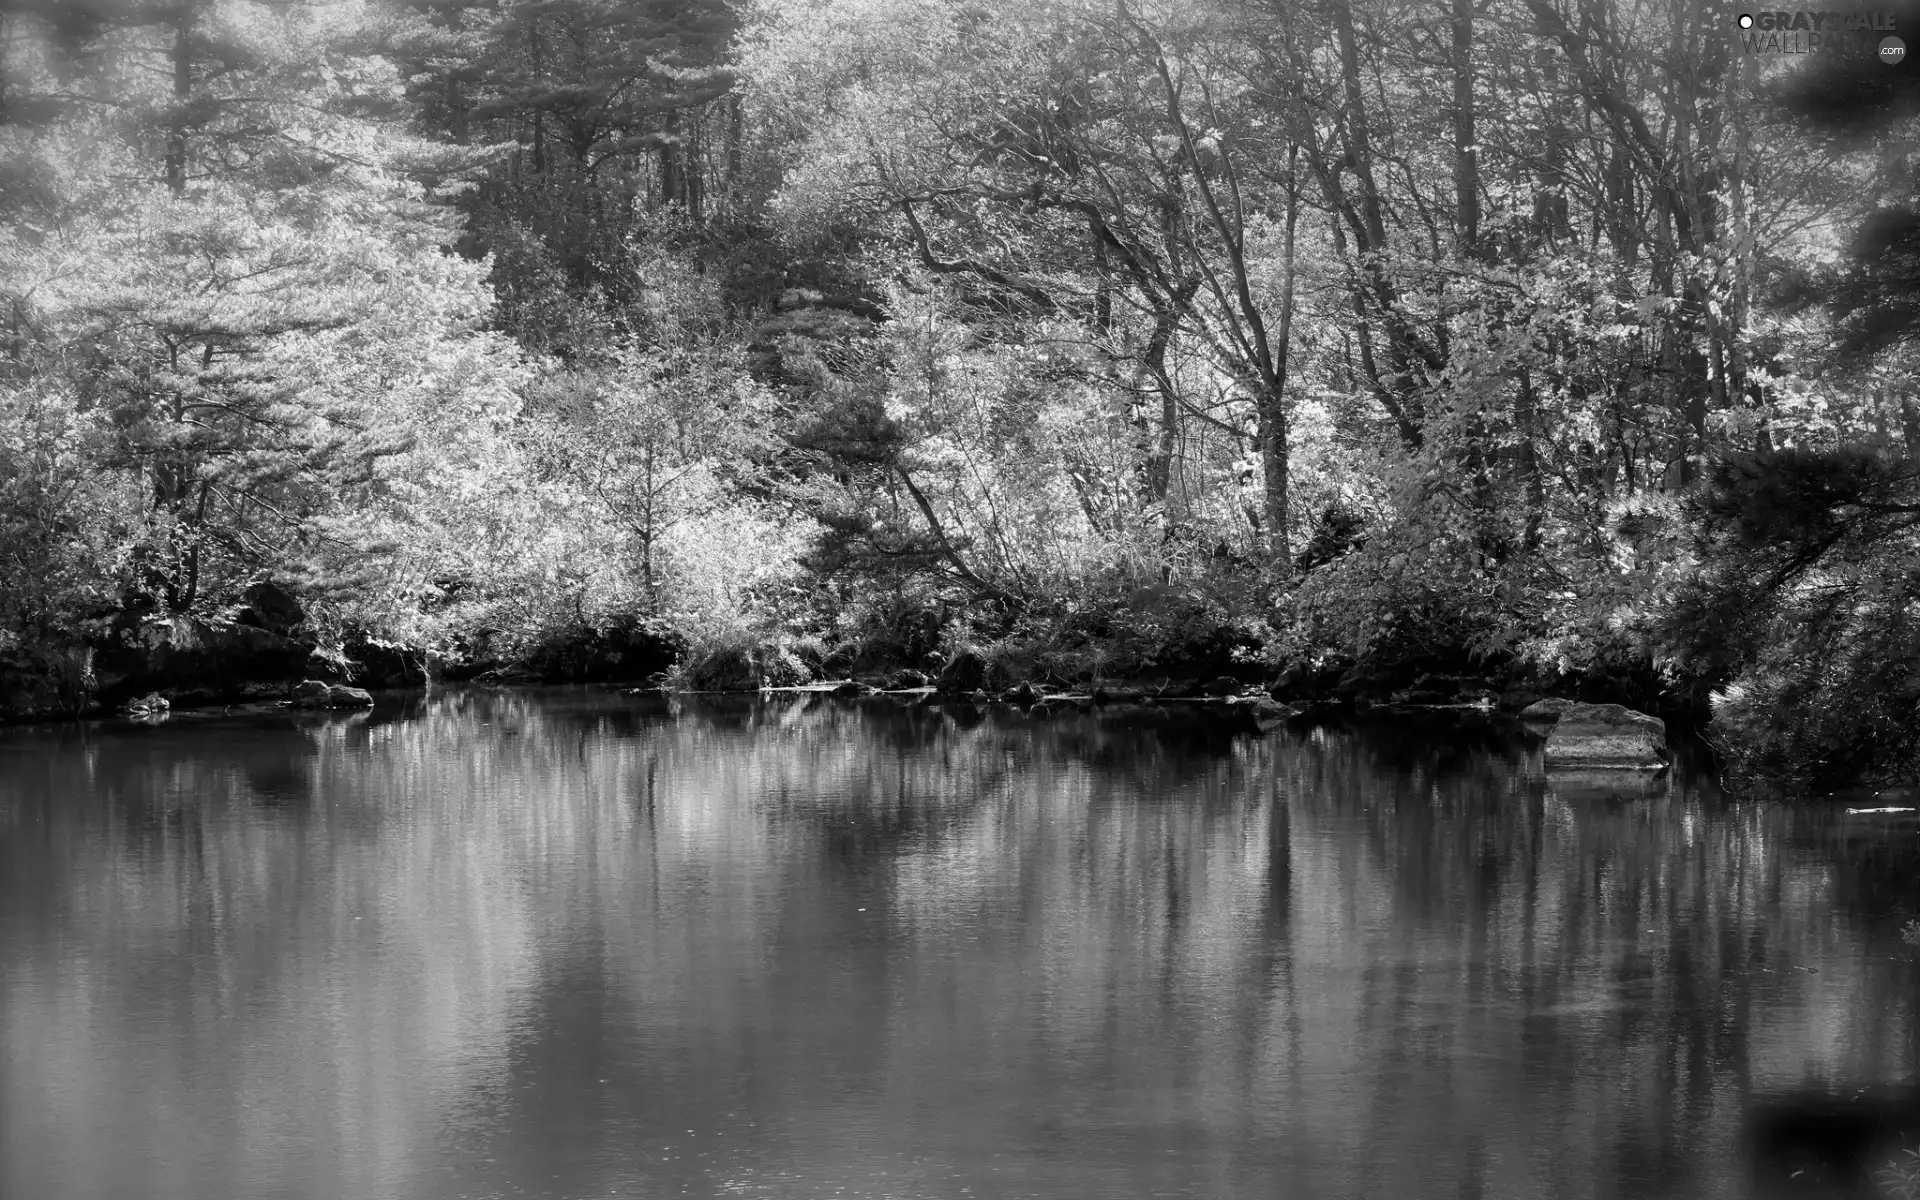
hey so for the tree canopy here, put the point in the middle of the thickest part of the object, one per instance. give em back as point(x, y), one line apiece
point(1527, 338)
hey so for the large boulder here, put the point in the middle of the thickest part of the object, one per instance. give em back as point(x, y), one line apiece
point(187, 654)
point(271, 607)
point(1546, 711)
point(1295, 682)
point(1606, 735)
point(966, 671)
point(341, 696)
point(1264, 709)
point(153, 704)
point(314, 693)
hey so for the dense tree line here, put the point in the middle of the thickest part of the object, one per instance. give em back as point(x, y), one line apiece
point(1350, 339)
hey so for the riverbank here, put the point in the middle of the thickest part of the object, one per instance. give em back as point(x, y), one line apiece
point(191, 662)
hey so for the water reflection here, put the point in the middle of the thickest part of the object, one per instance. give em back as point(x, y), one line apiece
point(574, 945)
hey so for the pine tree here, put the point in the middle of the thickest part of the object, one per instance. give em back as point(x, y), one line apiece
point(231, 251)
point(612, 107)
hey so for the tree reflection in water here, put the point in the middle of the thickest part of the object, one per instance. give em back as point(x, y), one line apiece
point(574, 944)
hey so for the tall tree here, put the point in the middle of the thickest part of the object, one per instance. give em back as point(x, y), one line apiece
point(232, 248)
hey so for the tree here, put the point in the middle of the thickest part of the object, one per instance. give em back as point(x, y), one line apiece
point(1114, 168)
point(658, 438)
point(1805, 612)
point(614, 108)
point(226, 270)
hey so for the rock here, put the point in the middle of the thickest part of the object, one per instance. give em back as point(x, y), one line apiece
point(1264, 706)
point(383, 664)
point(1361, 681)
point(907, 679)
point(312, 693)
point(1021, 693)
point(1258, 711)
point(1549, 709)
point(271, 607)
point(966, 671)
point(849, 687)
point(1606, 735)
point(1051, 701)
point(181, 654)
point(46, 680)
point(1295, 682)
point(1225, 685)
point(152, 704)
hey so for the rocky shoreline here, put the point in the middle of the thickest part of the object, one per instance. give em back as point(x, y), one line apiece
point(265, 653)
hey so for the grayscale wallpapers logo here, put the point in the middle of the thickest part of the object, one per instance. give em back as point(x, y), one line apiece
point(1868, 34)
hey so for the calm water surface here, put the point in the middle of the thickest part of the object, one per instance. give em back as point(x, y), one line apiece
point(580, 945)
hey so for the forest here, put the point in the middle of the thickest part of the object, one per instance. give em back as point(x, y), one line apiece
point(1356, 350)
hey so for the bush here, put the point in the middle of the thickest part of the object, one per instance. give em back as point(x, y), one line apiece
point(739, 663)
point(1807, 615)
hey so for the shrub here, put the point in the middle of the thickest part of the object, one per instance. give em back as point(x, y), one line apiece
point(1808, 614)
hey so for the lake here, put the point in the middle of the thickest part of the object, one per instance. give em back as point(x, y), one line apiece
point(577, 944)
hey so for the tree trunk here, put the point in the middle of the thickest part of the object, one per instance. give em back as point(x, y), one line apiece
point(1274, 463)
point(736, 133)
point(672, 163)
point(694, 169)
point(948, 550)
point(1272, 415)
point(456, 99)
point(1466, 168)
point(1156, 461)
point(1359, 135)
